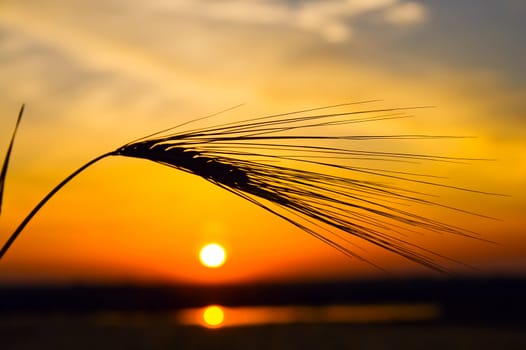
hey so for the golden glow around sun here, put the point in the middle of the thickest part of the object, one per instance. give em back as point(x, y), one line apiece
point(213, 316)
point(212, 255)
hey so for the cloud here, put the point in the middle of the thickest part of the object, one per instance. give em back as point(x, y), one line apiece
point(332, 20)
point(136, 46)
point(244, 11)
point(406, 13)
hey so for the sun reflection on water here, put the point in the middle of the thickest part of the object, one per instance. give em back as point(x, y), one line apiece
point(215, 316)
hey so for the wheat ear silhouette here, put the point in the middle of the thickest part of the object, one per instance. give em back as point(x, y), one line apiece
point(277, 163)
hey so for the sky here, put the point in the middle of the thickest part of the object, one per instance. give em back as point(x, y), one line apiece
point(97, 74)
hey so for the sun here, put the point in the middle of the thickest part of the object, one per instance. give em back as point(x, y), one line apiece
point(212, 255)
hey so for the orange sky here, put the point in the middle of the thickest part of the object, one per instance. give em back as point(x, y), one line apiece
point(97, 74)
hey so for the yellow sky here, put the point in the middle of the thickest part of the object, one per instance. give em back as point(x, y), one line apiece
point(97, 74)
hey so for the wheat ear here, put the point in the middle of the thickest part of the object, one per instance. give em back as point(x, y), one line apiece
point(250, 159)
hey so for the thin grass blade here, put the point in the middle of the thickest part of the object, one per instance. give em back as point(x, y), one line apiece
point(5, 165)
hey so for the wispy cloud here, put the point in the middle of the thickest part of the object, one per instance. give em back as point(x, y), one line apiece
point(331, 20)
point(114, 51)
point(407, 13)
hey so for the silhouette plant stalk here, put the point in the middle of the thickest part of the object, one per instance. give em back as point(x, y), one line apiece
point(44, 200)
point(323, 191)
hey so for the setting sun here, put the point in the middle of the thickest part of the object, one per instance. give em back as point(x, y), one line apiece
point(212, 255)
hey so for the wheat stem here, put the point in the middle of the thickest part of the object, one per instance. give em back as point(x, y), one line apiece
point(35, 210)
